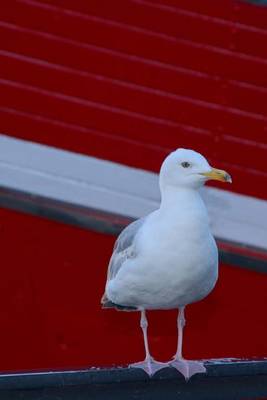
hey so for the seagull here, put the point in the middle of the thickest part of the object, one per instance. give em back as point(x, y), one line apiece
point(169, 258)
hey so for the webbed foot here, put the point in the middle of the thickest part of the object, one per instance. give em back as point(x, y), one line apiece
point(188, 368)
point(150, 366)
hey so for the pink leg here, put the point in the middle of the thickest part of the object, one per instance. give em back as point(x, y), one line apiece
point(186, 367)
point(149, 365)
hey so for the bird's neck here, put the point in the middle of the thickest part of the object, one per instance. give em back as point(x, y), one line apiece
point(172, 197)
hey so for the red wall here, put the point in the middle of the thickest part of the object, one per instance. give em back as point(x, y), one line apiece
point(52, 279)
point(129, 80)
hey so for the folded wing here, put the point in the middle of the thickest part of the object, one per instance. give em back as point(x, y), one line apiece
point(124, 249)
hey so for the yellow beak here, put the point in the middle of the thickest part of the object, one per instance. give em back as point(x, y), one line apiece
point(218, 175)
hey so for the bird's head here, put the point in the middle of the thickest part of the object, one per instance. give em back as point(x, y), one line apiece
point(187, 168)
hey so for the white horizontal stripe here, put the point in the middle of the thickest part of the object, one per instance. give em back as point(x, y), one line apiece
point(116, 188)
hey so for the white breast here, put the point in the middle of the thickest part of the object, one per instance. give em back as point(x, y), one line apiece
point(177, 261)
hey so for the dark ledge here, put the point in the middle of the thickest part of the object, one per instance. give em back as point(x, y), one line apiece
point(225, 379)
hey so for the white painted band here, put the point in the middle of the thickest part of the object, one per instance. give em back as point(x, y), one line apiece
point(116, 188)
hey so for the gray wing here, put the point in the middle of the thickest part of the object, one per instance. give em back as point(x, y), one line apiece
point(124, 247)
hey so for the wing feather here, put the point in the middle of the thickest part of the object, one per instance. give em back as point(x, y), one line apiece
point(124, 248)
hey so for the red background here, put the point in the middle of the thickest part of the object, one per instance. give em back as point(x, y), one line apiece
point(127, 81)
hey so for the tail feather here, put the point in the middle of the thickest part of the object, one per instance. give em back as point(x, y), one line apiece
point(106, 303)
point(104, 299)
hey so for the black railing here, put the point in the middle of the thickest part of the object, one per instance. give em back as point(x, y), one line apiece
point(225, 379)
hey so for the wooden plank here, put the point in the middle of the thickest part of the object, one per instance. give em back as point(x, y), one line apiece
point(146, 44)
point(120, 94)
point(141, 100)
point(94, 115)
point(172, 21)
point(27, 69)
point(88, 112)
point(233, 10)
point(38, 72)
point(110, 63)
point(244, 149)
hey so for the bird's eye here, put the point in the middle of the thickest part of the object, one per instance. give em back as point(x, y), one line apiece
point(185, 164)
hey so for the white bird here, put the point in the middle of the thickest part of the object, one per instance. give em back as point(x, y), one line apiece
point(169, 258)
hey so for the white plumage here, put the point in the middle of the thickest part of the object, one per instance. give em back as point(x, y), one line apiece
point(169, 258)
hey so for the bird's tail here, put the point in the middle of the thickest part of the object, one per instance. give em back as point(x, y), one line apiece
point(106, 303)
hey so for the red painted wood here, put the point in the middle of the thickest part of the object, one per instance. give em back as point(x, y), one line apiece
point(149, 76)
point(146, 74)
point(244, 149)
point(245, 97)
point(237, 11)
point(83, 83)
point(93, 115)
point(97, 87)
point(176, 22)
point(224, 9)
point(130, 41)
point(107, 64)
point(51, 317)
point(169, 107)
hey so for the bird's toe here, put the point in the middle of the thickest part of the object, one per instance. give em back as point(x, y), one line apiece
point(188, 368)
point(150, 366)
